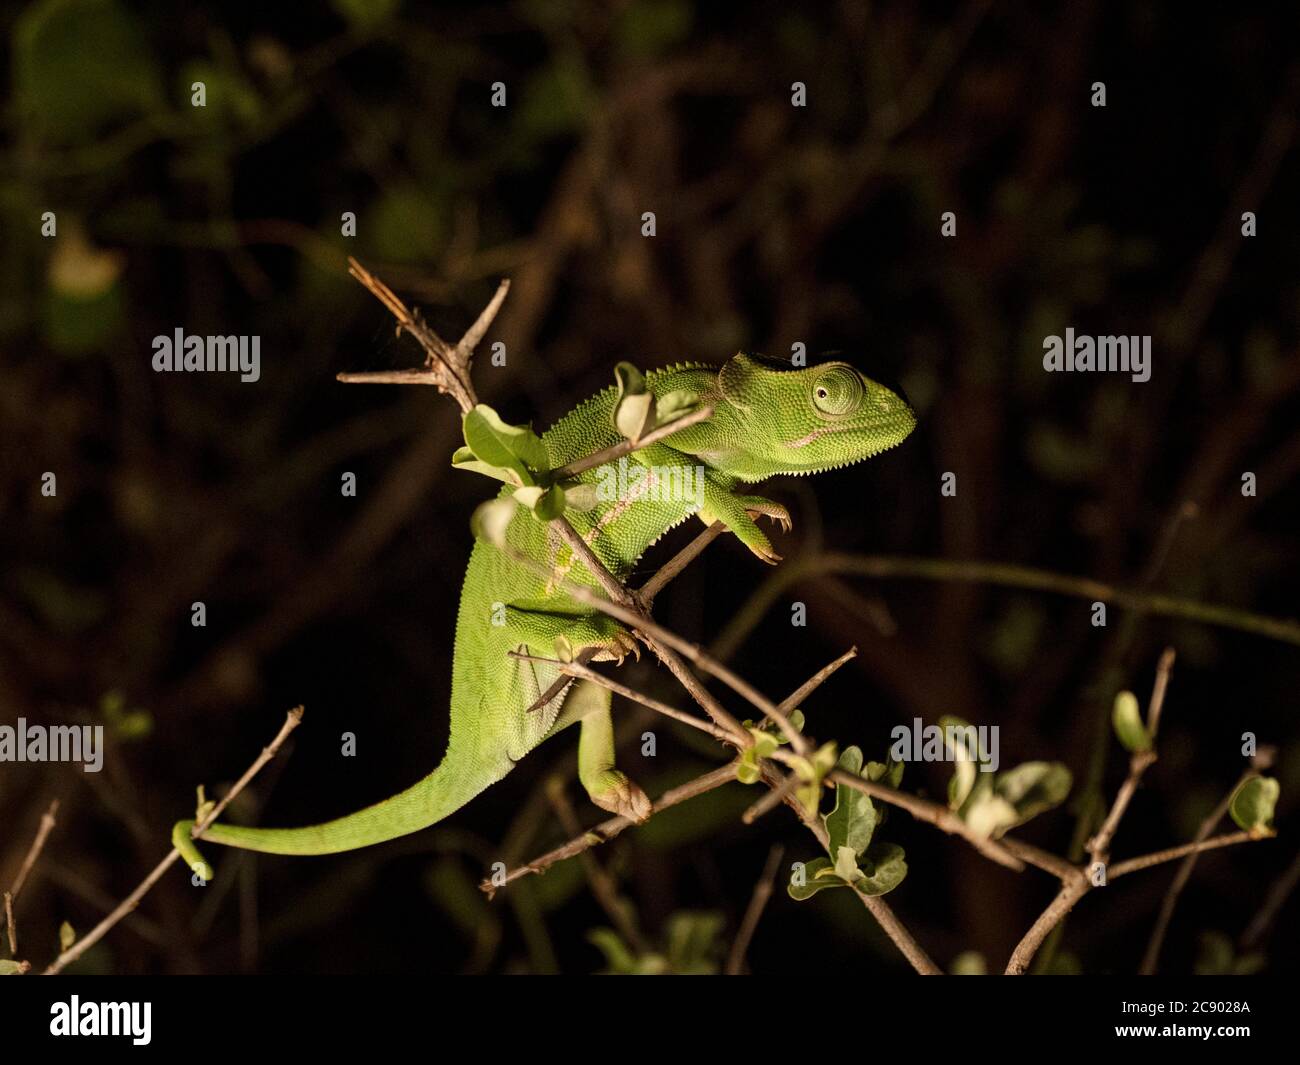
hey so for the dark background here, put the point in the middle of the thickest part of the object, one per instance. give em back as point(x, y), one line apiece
point(776, 225)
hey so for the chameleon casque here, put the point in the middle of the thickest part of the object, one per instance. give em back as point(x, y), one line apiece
point(767, 419)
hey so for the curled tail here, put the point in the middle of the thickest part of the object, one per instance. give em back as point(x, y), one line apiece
point(450, 786)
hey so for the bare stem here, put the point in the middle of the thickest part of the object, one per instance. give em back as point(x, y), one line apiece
point(1151, 956)
point(754, 911)
point(1146, 861)
point(33, 852)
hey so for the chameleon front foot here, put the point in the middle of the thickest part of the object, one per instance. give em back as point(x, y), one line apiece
point(757, 506)
point(738, 512)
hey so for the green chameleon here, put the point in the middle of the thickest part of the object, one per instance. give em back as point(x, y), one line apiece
point(766, 421)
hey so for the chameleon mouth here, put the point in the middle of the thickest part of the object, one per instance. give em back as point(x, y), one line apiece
point(816, 434)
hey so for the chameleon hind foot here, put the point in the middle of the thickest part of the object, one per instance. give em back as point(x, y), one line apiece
point(608, 788)
point(621, 796)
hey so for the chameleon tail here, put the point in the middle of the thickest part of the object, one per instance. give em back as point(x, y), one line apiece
point(450, 786)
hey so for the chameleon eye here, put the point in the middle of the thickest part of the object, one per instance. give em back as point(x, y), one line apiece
point(837, 391)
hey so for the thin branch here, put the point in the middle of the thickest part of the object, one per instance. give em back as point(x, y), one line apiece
point(1146, 861)
point(1274, 901)
point(657, 637)
point(754, 911)
point(1139, 763)
point(688, 554)
point(626, 447)
point(646, 594)
point(795, 698)
point(932, 813)
point(577, 669)
point(1040, 859)
point(899, 935)
point(33, 852)
point(1151, 956)
point(48, 820)
point(475, 333)
point(1012, 576)
point(9, 923)
point(1071, 892)
point(1078, 885)
point(291, 722)
point(771, 799)
point(607, 830)
point(622, 605)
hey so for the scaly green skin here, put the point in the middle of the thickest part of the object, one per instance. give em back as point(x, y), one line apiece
point(765, 421)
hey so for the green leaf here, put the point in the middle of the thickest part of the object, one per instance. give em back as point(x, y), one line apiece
point(961, 741)
point(11, 968)
point(747, 770)
point(889, 773)
point(673, 405)
point(67, 936)
point(546, 503)
point(634, 416)
point(628, 380)
point(1034, 787)
point(884, 867)
point(1126, 717)
point(846, 865)
point(634, 406)
point(491, 520)
point(819, 875)
point(989, 814)
point(463, 459)
point(853, 820)
point(1253, 804)
point(515, 449)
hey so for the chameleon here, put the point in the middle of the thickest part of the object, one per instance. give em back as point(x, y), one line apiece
point(767, 419)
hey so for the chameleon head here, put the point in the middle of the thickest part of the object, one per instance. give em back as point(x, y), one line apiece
point(769, 419)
